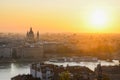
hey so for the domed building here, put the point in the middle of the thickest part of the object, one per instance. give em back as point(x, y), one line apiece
point(32, 47)
point(30, 37)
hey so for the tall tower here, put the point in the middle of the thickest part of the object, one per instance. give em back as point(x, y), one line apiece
point(30, 35)
point(38, 36)
point(27, 34)
point(99, 72)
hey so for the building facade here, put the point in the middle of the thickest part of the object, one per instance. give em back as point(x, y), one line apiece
point(5, 52)
point(54, 72)
point(30, 52)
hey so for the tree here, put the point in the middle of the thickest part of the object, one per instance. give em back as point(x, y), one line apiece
point(64, 76)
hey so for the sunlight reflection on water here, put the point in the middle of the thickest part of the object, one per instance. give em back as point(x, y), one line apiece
point(90, 65)
point(8, 70)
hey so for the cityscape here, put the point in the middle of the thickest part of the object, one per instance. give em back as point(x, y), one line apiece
point(59, 40)
point(56, 57)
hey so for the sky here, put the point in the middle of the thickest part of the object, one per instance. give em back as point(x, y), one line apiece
point(60, 16)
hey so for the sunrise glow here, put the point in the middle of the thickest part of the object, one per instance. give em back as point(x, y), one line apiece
point(59, 15)
point(99, 19)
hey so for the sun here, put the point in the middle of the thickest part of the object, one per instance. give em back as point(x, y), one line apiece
point(98, 19)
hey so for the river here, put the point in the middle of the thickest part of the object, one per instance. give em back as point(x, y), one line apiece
point(8, 70)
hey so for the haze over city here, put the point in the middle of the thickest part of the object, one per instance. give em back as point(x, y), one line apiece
point(59, 39)
point(79, 16)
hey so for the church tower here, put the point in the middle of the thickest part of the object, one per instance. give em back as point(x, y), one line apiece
point(38, 36)
point(98, 71)
point(30, 35)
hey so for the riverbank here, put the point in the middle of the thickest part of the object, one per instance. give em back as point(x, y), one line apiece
point(10, 60)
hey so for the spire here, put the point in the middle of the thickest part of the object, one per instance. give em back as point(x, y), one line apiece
point(37, 35)
point(99, 72)
point(27, 34)
point(30, 29)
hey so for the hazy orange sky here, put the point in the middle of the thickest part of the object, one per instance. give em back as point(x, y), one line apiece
point(57, 15)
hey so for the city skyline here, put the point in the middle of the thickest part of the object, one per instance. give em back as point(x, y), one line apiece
point(84, 16)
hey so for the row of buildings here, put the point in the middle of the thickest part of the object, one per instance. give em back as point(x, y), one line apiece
point(30, 47)
point(42, 71)
point(34, 44)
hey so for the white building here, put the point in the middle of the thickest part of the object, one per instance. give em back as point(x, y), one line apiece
point(42, 71)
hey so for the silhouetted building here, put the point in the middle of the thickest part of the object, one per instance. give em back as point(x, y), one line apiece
point(98, 71)
point(37, 36)
point(30, 35)
point(108, 72)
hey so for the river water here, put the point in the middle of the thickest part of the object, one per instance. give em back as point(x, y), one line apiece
point(90, 65)
point(8, 70)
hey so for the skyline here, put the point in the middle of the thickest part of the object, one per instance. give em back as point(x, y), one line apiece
point(60, 16)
